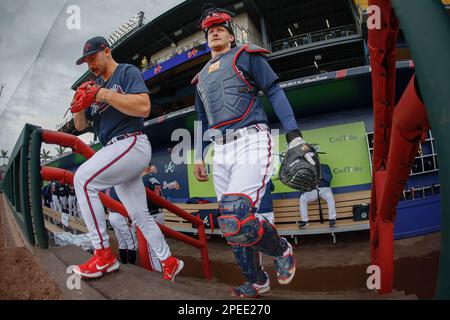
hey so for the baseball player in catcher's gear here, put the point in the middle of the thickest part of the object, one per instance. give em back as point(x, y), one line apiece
point(116, 102)
point(227, 100)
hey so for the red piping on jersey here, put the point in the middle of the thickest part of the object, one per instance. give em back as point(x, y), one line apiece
point(267, 167)
point(92, 178)
point(237, 70)
point(238, 119)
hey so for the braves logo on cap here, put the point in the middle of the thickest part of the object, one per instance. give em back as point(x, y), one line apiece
point(87, 47)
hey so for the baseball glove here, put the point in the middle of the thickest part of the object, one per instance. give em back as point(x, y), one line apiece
point(297, 170)
point(84, 96)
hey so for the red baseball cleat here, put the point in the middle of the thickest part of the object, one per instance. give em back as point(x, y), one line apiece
point(103, 261)
point(171, 267)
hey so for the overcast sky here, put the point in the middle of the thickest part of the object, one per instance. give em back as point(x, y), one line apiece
point(38, 54)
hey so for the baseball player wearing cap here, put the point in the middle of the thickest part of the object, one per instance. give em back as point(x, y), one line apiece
point(227, 100)
point(116, 103)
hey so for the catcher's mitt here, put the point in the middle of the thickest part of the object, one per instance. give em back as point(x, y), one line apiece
point(296, 171)
point(84, 96)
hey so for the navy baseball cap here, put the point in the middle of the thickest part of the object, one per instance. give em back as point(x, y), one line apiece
point(92, 46)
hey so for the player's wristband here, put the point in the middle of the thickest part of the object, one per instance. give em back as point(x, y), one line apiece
point(108, 96)
point(292, 135)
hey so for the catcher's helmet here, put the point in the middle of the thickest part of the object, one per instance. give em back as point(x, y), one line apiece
point(213, 16)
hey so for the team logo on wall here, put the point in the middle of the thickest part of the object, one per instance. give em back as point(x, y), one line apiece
point(192, 53)
point(174, 185)
point(169, 167)
point(157, 69)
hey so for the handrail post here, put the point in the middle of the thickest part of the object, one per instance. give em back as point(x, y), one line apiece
point(204, 252)
point(35, 190)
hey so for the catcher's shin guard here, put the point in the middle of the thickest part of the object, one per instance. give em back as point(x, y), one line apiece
point(250, 264)
point(237, 220)
point(271, 243)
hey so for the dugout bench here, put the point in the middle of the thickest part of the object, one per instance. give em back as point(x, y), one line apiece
point(287, 216)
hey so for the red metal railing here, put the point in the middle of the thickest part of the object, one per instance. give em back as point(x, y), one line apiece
point(64, 176)
point(397, 133)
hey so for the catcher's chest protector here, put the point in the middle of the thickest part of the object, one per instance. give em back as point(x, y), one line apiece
point(227, 97)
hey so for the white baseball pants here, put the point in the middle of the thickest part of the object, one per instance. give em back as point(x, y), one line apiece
point(126, 235)
point(154, 261)
point(269, 216)
point(72, 205)
point(56, 203)
point(120, 165)
point(244, 165)
point(64, 202)
point(326, 194)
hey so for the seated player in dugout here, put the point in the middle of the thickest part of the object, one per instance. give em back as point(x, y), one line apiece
point(324, 192)
point(227, 100)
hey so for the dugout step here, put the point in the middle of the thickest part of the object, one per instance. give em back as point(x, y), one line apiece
point(132, 282)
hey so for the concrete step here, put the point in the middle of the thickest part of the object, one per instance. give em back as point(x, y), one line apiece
point(132, 282)
point(129, 282)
